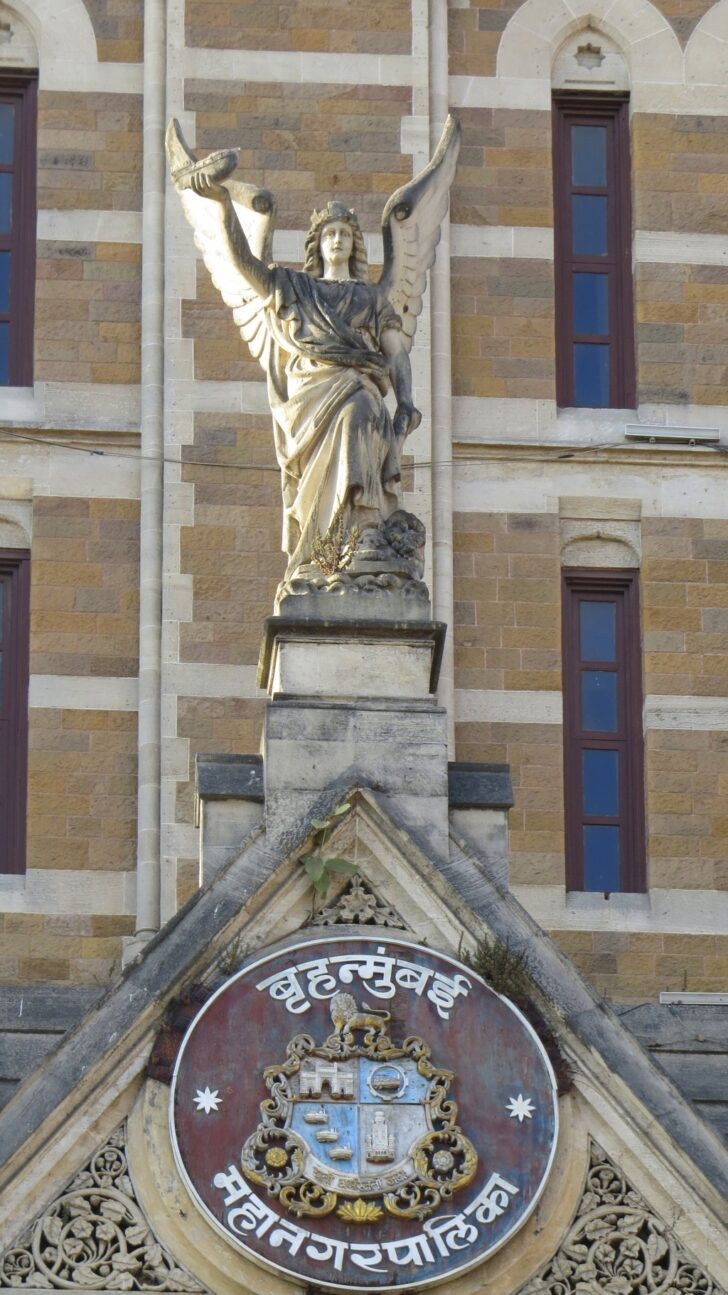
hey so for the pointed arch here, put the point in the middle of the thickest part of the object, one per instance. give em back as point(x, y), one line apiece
point(62, 30)
point(706, 53)
point(539, 27)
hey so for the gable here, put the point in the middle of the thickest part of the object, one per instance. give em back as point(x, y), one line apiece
point(67, 1109)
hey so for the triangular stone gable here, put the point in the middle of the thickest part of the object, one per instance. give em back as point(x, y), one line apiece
point(76, 1098)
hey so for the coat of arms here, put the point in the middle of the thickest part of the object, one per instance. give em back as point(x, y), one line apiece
point(359, 1124)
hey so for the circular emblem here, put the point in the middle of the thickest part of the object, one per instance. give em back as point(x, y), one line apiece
point(363, 1114)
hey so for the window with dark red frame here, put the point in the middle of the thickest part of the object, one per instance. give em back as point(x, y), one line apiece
point(17, 227)
point(14, 622)
point(603, 748)
point(595, 364)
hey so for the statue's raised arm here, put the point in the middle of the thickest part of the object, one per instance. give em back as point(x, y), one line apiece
point(333, 344)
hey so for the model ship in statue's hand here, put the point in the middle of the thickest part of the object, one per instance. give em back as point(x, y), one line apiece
point(332, 344)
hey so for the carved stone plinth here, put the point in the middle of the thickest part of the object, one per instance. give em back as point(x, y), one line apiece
point(352, 704)
point(372, 574)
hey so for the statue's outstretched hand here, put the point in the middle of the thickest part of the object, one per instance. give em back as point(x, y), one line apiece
point(207, 186)
point(406, 418)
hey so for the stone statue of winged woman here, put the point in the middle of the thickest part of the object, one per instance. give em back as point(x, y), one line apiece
point(332, 344)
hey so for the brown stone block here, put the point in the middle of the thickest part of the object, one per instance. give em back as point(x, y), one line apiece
point(528, 591)
point(546, 615)
point(672, 618)
point(530, 679)
point(709, 595)
point(43, 969)
point(531, 637)
point(474, 542)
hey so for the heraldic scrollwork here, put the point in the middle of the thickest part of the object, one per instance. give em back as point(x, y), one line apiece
point(362, 1118)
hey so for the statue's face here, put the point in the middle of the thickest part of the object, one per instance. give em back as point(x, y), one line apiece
point(337, 245)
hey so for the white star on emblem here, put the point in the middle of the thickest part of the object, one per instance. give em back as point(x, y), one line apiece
point(206, 1100)
point(520, 1108)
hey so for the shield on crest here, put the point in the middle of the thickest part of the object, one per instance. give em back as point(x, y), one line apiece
point(360, 1120)
point(359, 1117)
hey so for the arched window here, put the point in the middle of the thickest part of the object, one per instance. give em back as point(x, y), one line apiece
point(595, 364)
point(18, 112)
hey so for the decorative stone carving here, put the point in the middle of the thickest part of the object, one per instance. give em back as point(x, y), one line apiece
point(95, 1237)
point(332, 345)
point(357, 905)
point(387, 557)
point(619, 1245)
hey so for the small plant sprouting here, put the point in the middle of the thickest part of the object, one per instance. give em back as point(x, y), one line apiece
point(233, 956)
point(504, 969)
point(333, 551)
point(318, 868)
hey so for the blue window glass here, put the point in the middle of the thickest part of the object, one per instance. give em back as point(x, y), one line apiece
point(7, 131)
point(4, 281)
point(591, 374)
point(6, 202)
point(597, 631)
point(599, 701)
point(589, 156)
point(589, 225)
point(601, 857)
point(4, 354)
point(600, 782)
point(591, 303)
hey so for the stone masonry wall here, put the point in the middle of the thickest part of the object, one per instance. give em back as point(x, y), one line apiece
point(85, 587)
point(341, 26)
point(87, 314)
point(504, 168)
point(683, 15)
point(119, 28)
point(502, 327)
point(309, 143)
point(633, 967)
point(475, 29)
point(232, 552)
point(81, 818)
point(89, 151)
point(507, 636)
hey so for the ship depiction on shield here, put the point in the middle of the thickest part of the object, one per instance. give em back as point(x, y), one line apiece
point(359, 1125)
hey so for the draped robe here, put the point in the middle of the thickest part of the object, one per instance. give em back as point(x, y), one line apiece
point(327, 379)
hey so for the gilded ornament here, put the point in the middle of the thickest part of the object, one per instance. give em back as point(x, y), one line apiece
point(359, 1211)
point(360, 1118)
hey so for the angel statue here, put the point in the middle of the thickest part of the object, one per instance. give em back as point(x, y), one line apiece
point(333, 344)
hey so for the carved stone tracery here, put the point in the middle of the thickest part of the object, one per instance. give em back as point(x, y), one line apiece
point(357, 905)
point(619, 1245)
point(94, 1236)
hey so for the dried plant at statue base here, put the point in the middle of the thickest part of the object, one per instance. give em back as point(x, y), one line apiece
point(504, 969)
point(318, 868)
point(333, 551)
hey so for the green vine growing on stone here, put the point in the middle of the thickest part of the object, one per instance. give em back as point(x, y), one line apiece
point(319, 867)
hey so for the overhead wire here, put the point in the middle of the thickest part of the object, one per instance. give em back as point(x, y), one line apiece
point(118, 452)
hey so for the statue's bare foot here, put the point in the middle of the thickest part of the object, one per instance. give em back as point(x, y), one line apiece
point(204, 176)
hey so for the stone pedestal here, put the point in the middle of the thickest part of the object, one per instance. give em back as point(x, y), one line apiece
point(352, 704)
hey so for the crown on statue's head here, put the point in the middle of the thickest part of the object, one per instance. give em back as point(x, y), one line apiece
point(333, 211)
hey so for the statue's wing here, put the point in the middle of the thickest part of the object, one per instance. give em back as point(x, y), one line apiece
point(255, 209)
point(411, 224)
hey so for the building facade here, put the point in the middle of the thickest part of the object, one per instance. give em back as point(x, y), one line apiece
point(569, 468)
point(548, 781)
